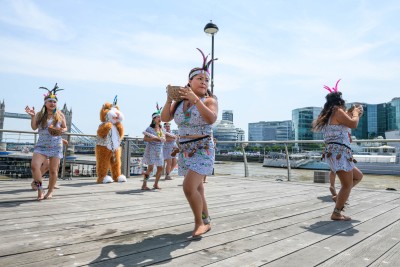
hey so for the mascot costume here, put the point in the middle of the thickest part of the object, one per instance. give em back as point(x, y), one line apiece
point(108, 150)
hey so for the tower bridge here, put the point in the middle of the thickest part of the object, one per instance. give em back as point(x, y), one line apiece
point(76, 140)
point(81, 143)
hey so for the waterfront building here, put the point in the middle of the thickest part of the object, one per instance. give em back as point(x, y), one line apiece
point(224, 130)
point(302, 119)
point(393, 114)
point(240, 134)
point(227, 115)
point(378, 119)
point(270, 130)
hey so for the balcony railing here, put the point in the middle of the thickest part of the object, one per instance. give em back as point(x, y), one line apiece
point(129, 146)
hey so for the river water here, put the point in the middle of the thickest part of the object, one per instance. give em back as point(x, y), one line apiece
point(256, 170)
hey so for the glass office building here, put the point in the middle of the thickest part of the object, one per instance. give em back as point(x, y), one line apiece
point(302, 119)
point(378, 119)
point(270, 130)
point(393, 114)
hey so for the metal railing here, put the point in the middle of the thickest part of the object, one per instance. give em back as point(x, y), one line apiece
point(244, 144)
point(129, 142)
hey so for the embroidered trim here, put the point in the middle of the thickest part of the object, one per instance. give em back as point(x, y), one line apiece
point(337, 143)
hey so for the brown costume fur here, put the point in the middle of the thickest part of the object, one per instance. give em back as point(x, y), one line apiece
point(104, 157)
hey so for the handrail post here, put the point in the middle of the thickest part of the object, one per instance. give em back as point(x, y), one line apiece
point(125, 155)
point(64, 160)
point(287, 162)
point(246, 167)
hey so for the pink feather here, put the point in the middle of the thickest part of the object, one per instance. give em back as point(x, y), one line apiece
point(204, 57)
point(335, 88)
point(327, 88)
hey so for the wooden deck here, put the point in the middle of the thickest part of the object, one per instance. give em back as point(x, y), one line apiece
point(255, 222)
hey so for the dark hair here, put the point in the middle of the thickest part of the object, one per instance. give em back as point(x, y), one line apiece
point(152, 124)
point(334, 101)
point(208, 94)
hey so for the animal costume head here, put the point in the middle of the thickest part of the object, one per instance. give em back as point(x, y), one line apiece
point(110, 112)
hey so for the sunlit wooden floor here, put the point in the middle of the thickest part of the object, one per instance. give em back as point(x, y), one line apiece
point(255, 222)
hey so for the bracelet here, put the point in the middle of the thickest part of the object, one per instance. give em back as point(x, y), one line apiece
point(195, 102)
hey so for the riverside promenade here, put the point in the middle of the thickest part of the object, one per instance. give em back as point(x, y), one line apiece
point(255, 222)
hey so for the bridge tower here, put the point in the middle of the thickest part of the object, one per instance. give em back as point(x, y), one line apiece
point(68, 117)
point(4, 114)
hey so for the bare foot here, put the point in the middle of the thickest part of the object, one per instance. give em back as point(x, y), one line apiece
point(40, 195)
point(201, 229)
point(48, 195)
point(339, 217)
point(145, 188)
point(156, 187)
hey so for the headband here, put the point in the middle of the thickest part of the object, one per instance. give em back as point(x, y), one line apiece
point(204, 69)
point(333, 89)
point(52, 94)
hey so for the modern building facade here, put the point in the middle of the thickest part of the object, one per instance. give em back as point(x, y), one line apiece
point(240, 134)
point(302, 119)
point(225, 131)
point(378, 119)
point(394, 114)
point(227, 115)
point(270, 130)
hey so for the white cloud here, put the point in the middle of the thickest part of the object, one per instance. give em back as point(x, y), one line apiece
point(26, 14)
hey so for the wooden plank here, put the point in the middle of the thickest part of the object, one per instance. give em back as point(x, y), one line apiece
point(376, 248)
point(131, 227)
point(348, 247)
point(267, 246)
point(147, 256)
point(390, 258)
point(152, 223)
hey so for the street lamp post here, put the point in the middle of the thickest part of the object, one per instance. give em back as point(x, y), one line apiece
point(211, 29)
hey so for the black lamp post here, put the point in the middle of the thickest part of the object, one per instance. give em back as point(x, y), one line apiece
point(211, 29)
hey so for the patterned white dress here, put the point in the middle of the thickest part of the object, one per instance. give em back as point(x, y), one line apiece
point(191, 123)
point(167, 149)
point(153, 154)
point(48, 145)
point(337, 152)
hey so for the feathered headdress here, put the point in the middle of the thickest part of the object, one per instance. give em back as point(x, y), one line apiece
point(333, 89)
point(205, 67)
point(52, 94)
point(158, 112)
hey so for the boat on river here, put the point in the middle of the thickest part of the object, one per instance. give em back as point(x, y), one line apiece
point(370, 160)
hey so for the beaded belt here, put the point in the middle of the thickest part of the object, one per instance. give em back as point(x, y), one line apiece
point(184, 145)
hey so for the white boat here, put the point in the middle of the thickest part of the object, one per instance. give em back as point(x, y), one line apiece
point(370, 160)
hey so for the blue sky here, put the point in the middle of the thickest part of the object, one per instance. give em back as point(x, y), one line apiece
point(274, 56)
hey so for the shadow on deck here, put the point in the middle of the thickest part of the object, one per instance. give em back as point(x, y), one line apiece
point(255, 222)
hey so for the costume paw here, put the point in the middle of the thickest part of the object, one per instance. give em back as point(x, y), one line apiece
point(121, 178)
point(107, 179)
